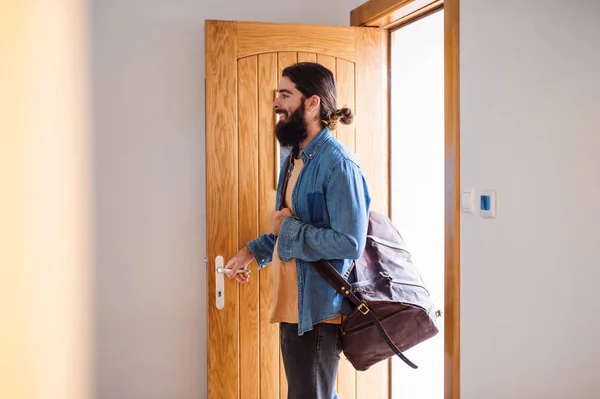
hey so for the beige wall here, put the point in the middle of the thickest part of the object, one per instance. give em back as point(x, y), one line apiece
point(45, 223)
point(530, 105)
point(148, 61)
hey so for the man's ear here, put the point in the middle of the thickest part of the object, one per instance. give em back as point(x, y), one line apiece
point(313, 103)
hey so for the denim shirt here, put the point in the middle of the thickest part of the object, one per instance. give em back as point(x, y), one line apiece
point(331, 211)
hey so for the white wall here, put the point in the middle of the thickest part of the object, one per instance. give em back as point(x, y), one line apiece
point(148, 76)
point(530, 102)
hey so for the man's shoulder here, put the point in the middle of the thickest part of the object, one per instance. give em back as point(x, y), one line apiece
point(336, 152)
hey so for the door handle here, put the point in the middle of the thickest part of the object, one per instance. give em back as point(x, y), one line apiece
point(220, 280)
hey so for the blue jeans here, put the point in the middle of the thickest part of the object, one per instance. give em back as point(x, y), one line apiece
point(311, 360)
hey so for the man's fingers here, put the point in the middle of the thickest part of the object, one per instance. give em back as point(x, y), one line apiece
point(242, 278)
point(229, 265)
point(233, 272)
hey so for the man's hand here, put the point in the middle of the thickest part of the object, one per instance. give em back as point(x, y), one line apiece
point(277, 218)
point(241, 260)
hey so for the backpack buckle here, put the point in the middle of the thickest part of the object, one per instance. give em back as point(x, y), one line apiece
point(364, 309)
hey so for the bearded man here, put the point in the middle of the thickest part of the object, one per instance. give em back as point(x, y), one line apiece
point(322, 213)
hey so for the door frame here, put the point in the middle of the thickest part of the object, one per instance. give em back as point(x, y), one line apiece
point(390, 15)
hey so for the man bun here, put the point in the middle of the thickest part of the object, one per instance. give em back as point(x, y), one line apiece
point(344, 115)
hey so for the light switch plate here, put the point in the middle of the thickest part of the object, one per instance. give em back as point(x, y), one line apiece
point(467, 201)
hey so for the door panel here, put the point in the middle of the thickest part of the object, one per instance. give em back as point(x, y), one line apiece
point(307, 57)
point(372, 148)
point(248, 223)
point(259, 38)
point(345, 83)
point(244, 64)
point(222, 221)
point(346, 381)
point(327, 61)
point(285, 59)
point(267, 183)
point(372, 124)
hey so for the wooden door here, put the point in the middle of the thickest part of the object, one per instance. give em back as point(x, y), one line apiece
point(243, 65)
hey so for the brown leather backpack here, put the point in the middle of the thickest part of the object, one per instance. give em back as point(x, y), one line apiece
point(393, 310)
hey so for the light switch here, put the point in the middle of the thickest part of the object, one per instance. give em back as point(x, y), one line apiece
point(487, 204)
point(467, 201)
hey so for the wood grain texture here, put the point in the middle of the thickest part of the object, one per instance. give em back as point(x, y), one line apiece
point(372, 124)
point(372, 10)
point(372, 148)
point(269, 333)
point(329, 63)
point(244, 62)
point(346, 379)
point(345, 84)
point(284, 59)
point(259, 38)
point(222, 205)
point(248, 223)
point(390, 14)
point(307, 57)
point(374, 383)
point(405, 15)
point(452, 200)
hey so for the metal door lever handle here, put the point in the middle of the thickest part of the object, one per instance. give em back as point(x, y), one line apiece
point(225, 270)
point(220, 283)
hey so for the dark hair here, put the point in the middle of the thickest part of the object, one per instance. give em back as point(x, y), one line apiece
point(313, 79)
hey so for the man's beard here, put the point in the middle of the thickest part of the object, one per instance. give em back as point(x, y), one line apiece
point(292, 131)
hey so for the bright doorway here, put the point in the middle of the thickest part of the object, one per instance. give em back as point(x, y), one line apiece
point(417, 182)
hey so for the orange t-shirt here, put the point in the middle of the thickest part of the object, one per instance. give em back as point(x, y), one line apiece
point(285, 282)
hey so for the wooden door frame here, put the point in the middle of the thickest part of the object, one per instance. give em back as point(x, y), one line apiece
point(389, 15)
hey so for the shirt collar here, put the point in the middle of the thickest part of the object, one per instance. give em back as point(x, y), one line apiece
point(315, 145)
